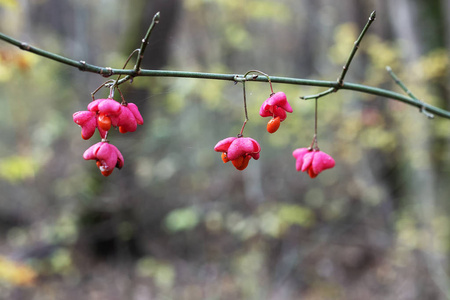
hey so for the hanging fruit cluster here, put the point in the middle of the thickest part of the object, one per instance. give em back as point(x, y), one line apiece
point(104, 114)
point(239, 150)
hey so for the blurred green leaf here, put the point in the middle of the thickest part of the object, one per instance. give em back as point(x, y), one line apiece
point(17, 168)
point(296, 214)
point(163, 273)
point(181, 219)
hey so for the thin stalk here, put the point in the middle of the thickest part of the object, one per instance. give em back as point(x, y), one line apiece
point(245, 110)
point(355, 47)
point(121, 96)
point(340, 80)
point(314, 144)
point(262, 73)
point(102, 85)
point(140, 51)
point(408, 92)
point(124, 66)
point(315, 120)
point(145, 42)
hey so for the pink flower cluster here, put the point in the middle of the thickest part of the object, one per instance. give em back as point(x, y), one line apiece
point(276, 107)
point(312, 161)
point(106, 155)
point(238, 150)
point(102, 114)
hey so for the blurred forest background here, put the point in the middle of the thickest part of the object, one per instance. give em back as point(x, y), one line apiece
point(177, 223)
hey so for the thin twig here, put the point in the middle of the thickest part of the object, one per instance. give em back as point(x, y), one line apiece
point(262, 73)
point(340, 80)
point(145, 42)
point(410, 94)
point(116, 82)
point(102, 85)
point(355, 48)
point(314, 145)
point(245, 110)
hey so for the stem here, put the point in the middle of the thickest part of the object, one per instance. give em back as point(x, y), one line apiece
point(145, 42)
point(407, 91)
point(116, 82)
point(314, 144)
point(322, 94)
point(121, 95)
point(111, 92)
point(245, 110)
point(102, 85)
point(262, 73)
point(141, 50)
point(83, 66)
point(315, 118)
point(355, 47)
point(340, 80)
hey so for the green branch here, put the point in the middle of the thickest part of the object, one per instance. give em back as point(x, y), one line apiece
point(410, 94)
point(335, 85)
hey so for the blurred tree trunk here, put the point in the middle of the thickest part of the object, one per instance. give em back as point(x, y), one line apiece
point(422, 182)
point(155, 57)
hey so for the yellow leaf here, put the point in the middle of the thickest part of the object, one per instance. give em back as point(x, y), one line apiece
point(9, 3)
point(16, 273)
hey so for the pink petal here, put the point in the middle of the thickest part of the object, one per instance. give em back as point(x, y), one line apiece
point(93, 106)
point(299, 155)
point(267, 107)
point(279, 99)
point(255, 155)
point(134, 109)
point(82, 117)
point(91, 152)
point(120, 160)
point(107, 156)
point(241, 147)
point(264, 111)
point(256, 146)
point(279, 112)
point(87, 121)
point(322, 161)
point(222, 146)
point(276, 105)
point(307, 160)
point(87, 131)
point(127, 120)
point(114, 120)
point(109, 107)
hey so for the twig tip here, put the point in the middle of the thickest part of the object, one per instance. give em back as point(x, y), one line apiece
point(156, 17)
point(373, 15)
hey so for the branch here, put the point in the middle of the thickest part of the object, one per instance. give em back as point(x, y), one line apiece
point(145, 42)
point(141, 50)
point(334, 85)
point(340, 80)
point(407, 91)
